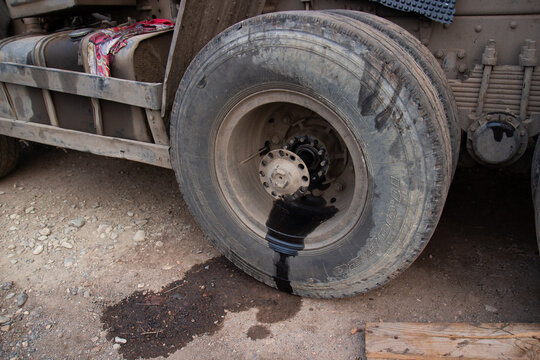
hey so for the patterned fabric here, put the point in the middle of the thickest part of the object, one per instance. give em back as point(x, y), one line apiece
point(103, 45)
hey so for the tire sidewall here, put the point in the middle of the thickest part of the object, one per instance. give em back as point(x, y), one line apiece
point(325, 64)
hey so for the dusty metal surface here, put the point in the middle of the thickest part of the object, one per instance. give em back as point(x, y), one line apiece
point(153, 154)
point(25, 8)
point(147, 95)
point(197, 23)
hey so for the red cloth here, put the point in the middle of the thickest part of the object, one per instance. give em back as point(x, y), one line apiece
point(103, 45)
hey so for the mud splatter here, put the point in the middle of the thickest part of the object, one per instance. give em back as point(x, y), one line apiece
point(257, 332)
point(158, 324)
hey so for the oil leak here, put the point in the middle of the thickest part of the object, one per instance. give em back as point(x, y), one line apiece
point(160, 323)
point(289, 223)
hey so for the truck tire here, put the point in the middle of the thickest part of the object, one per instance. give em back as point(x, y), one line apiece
point(281, 94)
point(427, 62)
point(9, 154)
point(535, 185)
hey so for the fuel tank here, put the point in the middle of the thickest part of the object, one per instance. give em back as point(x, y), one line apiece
point(66, 50)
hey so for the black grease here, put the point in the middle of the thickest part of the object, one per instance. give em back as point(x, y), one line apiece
point(382, 118)
point(288, 224)
point(500, 129)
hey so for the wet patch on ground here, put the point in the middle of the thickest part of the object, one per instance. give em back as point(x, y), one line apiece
point(257, 332)
point(158, 324)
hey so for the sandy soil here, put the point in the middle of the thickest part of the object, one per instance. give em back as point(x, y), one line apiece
point(69, 223)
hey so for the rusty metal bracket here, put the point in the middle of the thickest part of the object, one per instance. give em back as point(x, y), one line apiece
point(489, 60)
point(145, 95)
point(528, 58)
point(148, 153)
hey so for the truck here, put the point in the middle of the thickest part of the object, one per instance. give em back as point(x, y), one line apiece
point(314, 141)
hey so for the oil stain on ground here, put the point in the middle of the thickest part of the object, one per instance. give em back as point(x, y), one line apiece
point(158, 324)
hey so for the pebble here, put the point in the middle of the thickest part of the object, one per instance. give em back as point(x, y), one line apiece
point(68, 262)
point(24, 344)
point(140, 286)
point(9, 296)
point(21, 299)
point(130, 214)
point(86, 294)
point(78, 223)
point(139, 236)
point(11, 247)
point(14, 261)
point(159, 243)
point(2, 193)
point(94, 339)
point(116, 346)
point(29, 210)
point(5, 328)
point(45, 231)
point(4, 319)
point(120, 340)
point(42, 238)
point(141, 223)
point(38, 250)
point(7, 285)
point(67, 245)
point(48, 327)
point(13, 228)
point(490, 308)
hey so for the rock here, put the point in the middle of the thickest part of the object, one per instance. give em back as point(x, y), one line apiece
point(116, 346)
point(139, 236)
point(102, 228)
point(38, 250)
point(48, 327)
point(13, 228)
point(86, 294)
point(120, 340)
point(7, 285)
point(113, 236)
point(5, 328)
point(14, 261)
point(11, 247)
point(21, 299)
point(42, 238)
point(45, 231)
point(140, 286)
point(130, 214)
point(9, 296)
point(4, 319)
point(141, 223)
point(67, 245)
point(29, 210)
point(78, 223)
point(490, 308)
point(68, 262)
point(24, 344)
point(94, 339)
point(159, 243)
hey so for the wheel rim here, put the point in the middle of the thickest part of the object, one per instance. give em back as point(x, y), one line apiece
point(260, 125)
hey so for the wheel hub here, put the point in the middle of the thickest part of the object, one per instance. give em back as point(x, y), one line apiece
point(313, 153)
point(283, 173)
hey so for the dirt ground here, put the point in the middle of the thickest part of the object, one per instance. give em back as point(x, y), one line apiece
point(70, 222)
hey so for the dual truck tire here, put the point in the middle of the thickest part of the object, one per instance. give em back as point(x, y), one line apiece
point(367, 110)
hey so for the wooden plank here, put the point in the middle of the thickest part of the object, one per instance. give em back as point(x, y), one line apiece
point(100, 145)
point(145, 95)
point(419, 341)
